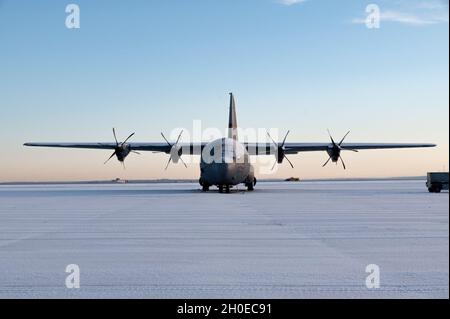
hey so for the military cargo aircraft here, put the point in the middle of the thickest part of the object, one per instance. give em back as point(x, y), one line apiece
point(225, 162)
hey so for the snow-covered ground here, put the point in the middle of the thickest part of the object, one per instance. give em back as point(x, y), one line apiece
point(285, 240)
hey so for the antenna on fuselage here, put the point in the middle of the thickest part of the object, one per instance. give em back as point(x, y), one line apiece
point(232, 122)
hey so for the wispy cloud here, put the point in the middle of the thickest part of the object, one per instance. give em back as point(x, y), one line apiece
point(290, 2)
point(414, 13)
point(400, 17)
point(406, 18)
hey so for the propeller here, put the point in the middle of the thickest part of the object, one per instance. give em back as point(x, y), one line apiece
point(335, 150)
point(175, 151)
point(280, 155)
point(122, 149)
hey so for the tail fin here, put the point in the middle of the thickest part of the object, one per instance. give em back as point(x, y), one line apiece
point(232, 122)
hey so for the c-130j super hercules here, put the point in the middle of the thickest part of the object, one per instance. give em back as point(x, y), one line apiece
point(225, 162)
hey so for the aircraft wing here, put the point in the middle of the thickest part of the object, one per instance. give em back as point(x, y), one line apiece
point(294, 148)
point(253, 148)
point(192, 148)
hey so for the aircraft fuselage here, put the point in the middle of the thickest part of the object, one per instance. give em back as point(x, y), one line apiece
point(226, 163)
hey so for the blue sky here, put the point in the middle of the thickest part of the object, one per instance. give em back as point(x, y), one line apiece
point(151, 66)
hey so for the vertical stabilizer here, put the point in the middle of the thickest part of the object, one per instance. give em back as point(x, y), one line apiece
point(232, 122)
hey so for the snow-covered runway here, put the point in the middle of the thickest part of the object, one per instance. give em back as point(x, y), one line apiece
point(285, 240)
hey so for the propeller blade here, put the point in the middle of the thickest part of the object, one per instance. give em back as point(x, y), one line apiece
point(166, 139)
point(123, 165)
point(285, 137)
point(179, 136)
point(343, 138)
point(110, 157)
point(287, 159)
point(183, 162)
point(128, 138)
point(342, 161)
point(115, 137)
point(331, 137)
point(273, 141)
point(171, 145)
point(273, 166)
point(349, 149)
point(168, 162)
point(326, 162)
point(136, 152)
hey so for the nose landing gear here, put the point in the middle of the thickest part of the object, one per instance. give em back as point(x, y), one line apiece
point(224, 188)
point(205, 186)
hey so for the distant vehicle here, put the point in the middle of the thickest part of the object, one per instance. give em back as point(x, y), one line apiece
point(292, 179)
point(120, 181)
point(436, 182)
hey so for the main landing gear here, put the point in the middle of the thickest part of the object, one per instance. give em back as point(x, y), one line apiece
point(251, 185)
point(205, 187)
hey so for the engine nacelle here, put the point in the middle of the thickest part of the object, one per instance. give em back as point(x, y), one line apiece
point(175, 152)
point(280, 155)
point(122, 152)
point(334, 154)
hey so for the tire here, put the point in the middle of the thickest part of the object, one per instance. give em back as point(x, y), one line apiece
point(250, 184)
point(435, 188)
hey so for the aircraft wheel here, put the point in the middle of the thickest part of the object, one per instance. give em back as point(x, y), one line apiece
point(227, 189)
point(220, 188)
point(250, 187)
point(205, 187)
